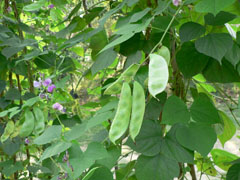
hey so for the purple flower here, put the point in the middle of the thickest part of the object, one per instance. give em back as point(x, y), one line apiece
point(57, 106)
point(36, 84)
point(51, 87)
point(27, 141)
point(51, 6)
point(47, 82)
point(176, 2)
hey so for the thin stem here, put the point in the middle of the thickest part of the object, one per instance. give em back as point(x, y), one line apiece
point(230, 109)
point(60, 122)
point(225, 94)
point(166, 30)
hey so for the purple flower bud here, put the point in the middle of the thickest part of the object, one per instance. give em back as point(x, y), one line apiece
point(41, 75)
point(36, 84)
point(59, 178)
point(9, 9)
point(64, 110)
point(51, 87)
point(42, 95)
point(57, 106)
point(47, 82)
point(65, 158)
point(27, 141)
point(69, 165)
point(176, 2)
point(65, 175)
point(51, 6)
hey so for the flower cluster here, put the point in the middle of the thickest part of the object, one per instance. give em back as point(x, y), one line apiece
point(47, 83)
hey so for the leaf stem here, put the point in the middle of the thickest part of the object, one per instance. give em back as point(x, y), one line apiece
point(166, 30)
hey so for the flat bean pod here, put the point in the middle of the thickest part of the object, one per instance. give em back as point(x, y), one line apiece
point(158, 74)
point(121, 120)
point(126, 76)
point(138, 109)
point(28, 124)
point(39, 120)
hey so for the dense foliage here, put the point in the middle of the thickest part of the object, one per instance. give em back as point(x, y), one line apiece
point(118, 89)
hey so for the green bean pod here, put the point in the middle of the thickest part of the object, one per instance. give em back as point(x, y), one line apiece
point(138, 109)
point(9, 129)
point(121, 120)
point(39, 120)
point(126, 76)
point(28, 124)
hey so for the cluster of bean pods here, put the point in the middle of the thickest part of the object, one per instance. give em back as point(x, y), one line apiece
point(131, 107)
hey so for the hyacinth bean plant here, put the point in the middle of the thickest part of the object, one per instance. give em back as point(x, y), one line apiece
point(119, 89)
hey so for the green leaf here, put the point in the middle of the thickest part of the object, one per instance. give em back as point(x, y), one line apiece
point(10, 51)
point(223, 158)
point(191, 30)
point(30, 102)
point(113, 154)
point(214, 6)
point(233, 55)
point(199, 137)
point(101, 173)
point(125, 170)
point(160, 23)
point(156, 167)
point(225, 73)
point(98, 41)
point(148, 141)
point(34, 6)
point(111, 12)
point(139, 15)
point(205, 165)
point(175, 111)
point(103, 60)
point(233, 172)
point(12, 168)
point(229, 129)
point(95, 151)
point(117, 41)
point(203, 111)
point(50, 134)
point(154, 107)
point(220, 19)
point(158, 74)
point(46, 60)
point(13, 94)
point(162, 6)
point(2, 85)
point(214, 45)
point(172, 149)
point(78, 130)
point(133, 58)
point(55, 149)
point(190, 62)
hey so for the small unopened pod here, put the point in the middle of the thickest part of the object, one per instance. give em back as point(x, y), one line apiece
point(121, 120)
point(28, 124)
point(138, 109)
